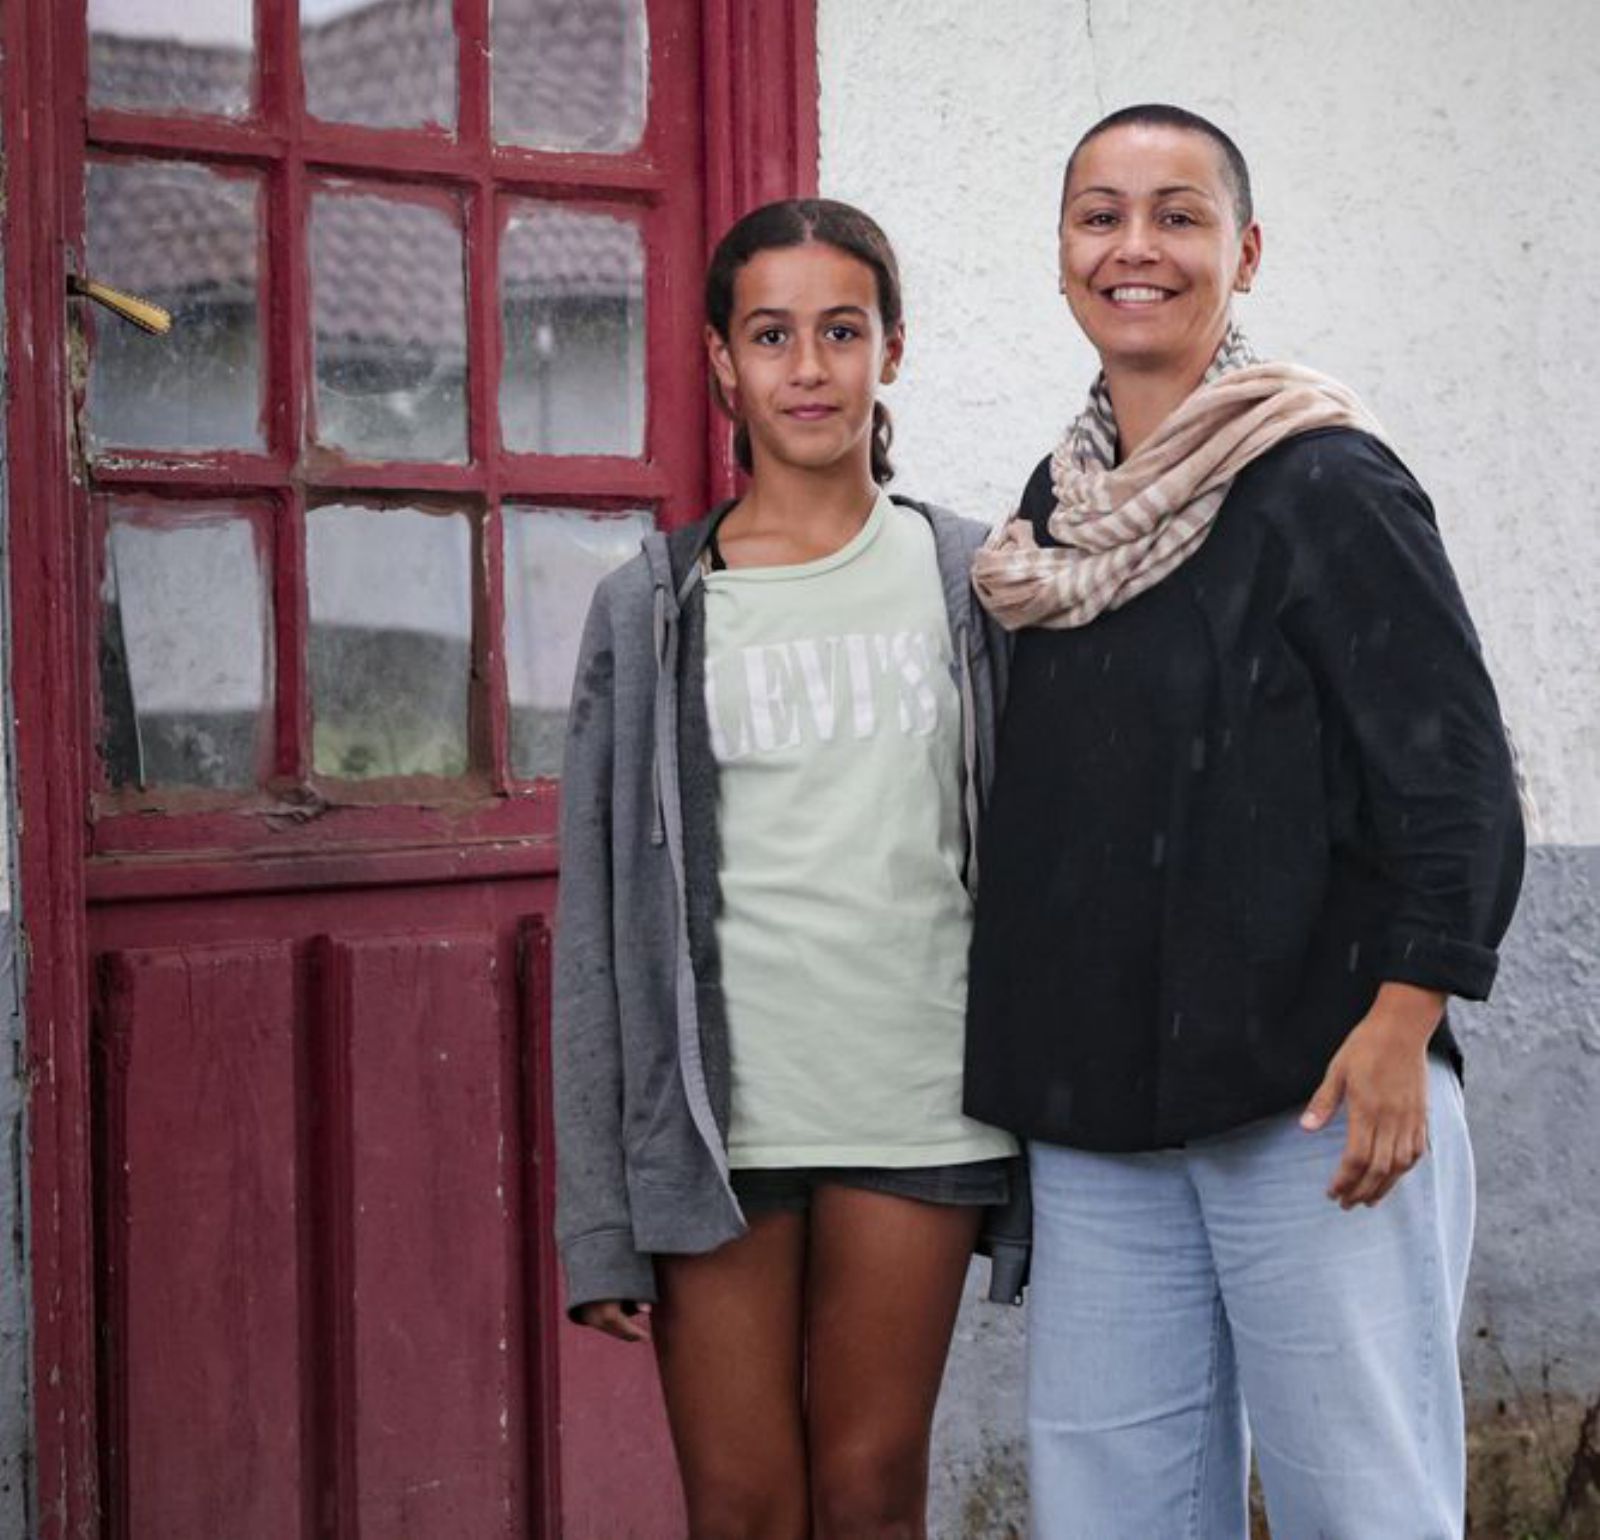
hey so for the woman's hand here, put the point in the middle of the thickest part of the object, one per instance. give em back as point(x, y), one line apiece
point(1380, 1073)
point(619, 1318)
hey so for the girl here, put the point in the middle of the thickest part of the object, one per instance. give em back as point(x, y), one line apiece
point(780, 730)
point(1254, 820)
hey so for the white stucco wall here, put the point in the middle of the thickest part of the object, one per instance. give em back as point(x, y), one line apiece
point(1428, 179)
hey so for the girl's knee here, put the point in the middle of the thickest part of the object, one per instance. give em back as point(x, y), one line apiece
point(868, 1492)
point(742, 1507)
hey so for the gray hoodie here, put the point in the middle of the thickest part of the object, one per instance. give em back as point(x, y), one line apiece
point(640, 1033)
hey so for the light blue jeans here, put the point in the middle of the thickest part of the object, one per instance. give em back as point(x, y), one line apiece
point(1173, 1290)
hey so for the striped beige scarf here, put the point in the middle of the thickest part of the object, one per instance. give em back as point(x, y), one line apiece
point(1122, 528)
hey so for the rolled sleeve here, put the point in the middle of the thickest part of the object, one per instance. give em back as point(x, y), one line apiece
point(1378, 617)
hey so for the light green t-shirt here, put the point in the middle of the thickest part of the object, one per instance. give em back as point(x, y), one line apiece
point(836, 724)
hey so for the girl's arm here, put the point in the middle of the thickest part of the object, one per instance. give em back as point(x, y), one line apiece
point(593, 1224)
point(620, 1318)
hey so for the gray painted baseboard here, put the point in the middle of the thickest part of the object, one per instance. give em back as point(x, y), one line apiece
point(1533, 1099)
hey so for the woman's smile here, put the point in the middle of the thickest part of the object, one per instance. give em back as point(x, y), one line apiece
point(1136, 296)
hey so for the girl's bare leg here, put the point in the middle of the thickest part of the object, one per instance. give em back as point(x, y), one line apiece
point(884, 1283)
point(728, 1330)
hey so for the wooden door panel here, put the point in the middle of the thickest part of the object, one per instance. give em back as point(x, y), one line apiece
point(201, 1231)
point(613, 1419)
point(322, 1170)
point(421, 1028)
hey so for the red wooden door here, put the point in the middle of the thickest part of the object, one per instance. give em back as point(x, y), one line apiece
point(293, 597)
point(301, 581)
point(426, 382)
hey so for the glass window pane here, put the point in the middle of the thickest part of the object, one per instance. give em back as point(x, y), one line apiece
point(389, 311)
point(155, 56)
point(185, 649)
point(380, 63)
point(572, 312)
point(554, 559)
point(189, 239)
point(569, 74)
point(391, 640)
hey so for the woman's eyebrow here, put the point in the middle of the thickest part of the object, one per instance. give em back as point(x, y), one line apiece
point(1161, 192)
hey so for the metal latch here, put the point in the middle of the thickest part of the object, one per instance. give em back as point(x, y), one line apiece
point(142, 312)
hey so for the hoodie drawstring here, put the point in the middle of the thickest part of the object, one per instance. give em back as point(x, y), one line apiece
point(664, 673)
point(969, 756)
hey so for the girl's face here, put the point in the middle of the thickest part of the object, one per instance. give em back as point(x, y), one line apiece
point(805, 353)
point(1151, 250)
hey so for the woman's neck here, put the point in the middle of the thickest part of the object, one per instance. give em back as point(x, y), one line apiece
point(790, 514)
point(1141, 401)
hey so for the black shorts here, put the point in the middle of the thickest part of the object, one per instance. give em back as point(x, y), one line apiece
point(766, 1189)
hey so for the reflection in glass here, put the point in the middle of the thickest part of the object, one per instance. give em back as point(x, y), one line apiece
point(569, 74)
point(554, 557)
point(380, 63)
point(572, 313)
point(391, 641)
point(389, 311)
point(185, 650)
point(155, 56)
point(187, 238)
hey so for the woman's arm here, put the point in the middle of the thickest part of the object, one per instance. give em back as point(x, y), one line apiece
point(1380, 1072)
point(1378, 618)
point(593, 1224)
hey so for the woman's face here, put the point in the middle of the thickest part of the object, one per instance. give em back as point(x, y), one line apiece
point(1151, 250)
point(805, 353)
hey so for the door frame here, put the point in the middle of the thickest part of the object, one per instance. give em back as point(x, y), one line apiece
point(759, 92)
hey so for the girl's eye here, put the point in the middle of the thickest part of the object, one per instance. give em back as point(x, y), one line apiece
point(842, 331)
point(769, 337)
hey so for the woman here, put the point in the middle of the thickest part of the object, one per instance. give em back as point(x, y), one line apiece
point(782, 719)
point(1254, 821)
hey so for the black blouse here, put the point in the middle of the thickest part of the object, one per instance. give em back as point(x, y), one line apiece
point(1226, 812)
